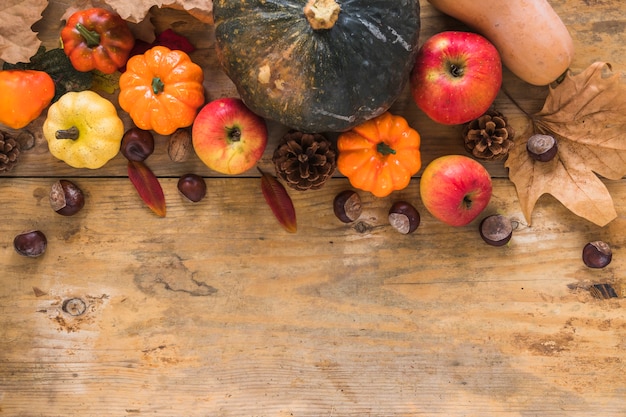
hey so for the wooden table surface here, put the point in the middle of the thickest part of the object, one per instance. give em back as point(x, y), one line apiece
point(215, 310)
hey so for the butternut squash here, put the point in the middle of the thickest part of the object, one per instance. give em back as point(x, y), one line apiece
point(533, 41)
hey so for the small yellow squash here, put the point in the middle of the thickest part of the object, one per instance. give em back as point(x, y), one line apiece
point(83, 129)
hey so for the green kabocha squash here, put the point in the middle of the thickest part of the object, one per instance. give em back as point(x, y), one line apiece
point(317, 65)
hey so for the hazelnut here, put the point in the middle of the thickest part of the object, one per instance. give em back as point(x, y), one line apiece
point(347, 206)
point(192, 186)
point(542, 148)
point(496, 230)
point(137, 144)
point(404, 217)
point(597, 254)
point(180, 145)
point(32, 243)
point(66, 198)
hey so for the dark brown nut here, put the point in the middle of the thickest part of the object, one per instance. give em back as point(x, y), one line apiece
point(404, 217)
point(26, 139)
point(137, 144)
point(347, 206)
point(542, 148)
point(496, 229)
point(597, 254)
point(180, 145)
point(32, 243)
point(192, 186)
point(66, 198)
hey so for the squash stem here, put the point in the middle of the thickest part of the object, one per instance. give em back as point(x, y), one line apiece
point(157, 85)
point(91, 36)
point(322, 14)
point(72, 133)
point(384, 149)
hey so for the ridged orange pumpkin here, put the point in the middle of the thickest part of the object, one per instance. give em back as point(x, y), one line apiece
point(321, 65)
point(380, 155)
point(162, 90)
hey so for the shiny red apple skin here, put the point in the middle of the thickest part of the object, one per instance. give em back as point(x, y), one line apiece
point(456, 77)
point(455, 189)
point(228, 137)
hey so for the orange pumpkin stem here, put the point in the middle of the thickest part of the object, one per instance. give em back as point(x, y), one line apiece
point(157, 86)
point(384, 149)
point(322, 14)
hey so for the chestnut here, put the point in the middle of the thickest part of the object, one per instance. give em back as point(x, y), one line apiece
point(137, 144)
point(404, 217)
point(597, 254)
point(542, 148)
point(32, 243)
point(66, 198)
point(192, 186)
point(496, 230)
point(347, 206)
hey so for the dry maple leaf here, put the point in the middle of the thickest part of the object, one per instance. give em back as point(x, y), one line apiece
point(136, 11)
point(17, 44)
point(586, 113)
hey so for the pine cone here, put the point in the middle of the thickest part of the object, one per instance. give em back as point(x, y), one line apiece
point(9, 151)
point(489, 137)
point(305, 160)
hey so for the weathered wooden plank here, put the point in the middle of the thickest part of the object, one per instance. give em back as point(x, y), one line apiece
point(215, 310)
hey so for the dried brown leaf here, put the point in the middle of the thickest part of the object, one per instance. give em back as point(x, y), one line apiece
point(16, 43)
point(136, 11)
point(586, 113)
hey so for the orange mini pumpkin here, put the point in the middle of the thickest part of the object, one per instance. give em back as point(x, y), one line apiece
point(380, 155)
point(162, 90)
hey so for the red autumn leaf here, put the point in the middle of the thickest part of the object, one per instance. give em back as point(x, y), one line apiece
point(173, 40)
point(279, 201)
point(167, 38)
point(148, 186)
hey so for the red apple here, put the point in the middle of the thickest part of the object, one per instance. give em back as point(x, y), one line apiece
point(228, 137)
point(456, 77)
point(455, 189)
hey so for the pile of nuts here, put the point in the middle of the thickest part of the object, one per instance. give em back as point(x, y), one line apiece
point(402, 216)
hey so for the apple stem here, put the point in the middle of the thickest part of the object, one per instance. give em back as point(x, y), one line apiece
point(234, 134)
point(456, 70)
point(467, 202)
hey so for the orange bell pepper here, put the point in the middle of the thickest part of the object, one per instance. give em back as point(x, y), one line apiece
point(162, 90)
point(97, 39)
point(380, 155)
point(25, 94)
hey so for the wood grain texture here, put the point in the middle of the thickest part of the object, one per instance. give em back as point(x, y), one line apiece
point(215, 310)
